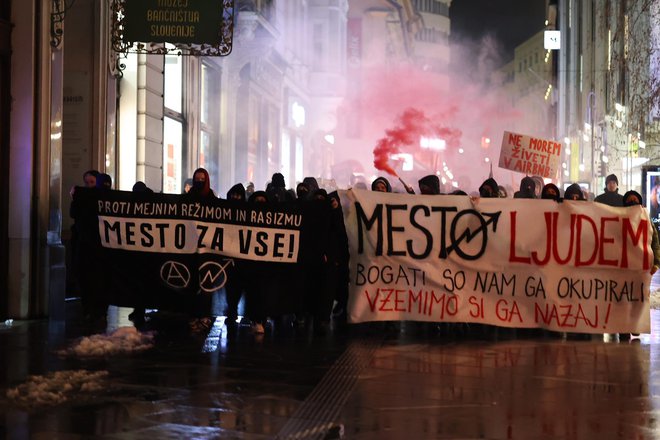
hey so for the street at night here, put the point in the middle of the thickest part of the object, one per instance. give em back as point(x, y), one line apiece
point(346, 219)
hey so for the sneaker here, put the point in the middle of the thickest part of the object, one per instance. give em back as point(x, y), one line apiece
point(258, 328)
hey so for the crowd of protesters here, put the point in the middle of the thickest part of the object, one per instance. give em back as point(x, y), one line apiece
point(312, 293)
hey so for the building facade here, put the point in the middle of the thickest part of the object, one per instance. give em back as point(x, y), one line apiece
point(70, 103)
point(608, 87)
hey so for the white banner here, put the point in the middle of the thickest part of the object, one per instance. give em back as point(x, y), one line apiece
point(573, 266)
point(169, 235)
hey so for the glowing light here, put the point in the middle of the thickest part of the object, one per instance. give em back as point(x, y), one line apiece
point(566, 173)
point(618, 123)
point(407, 160)
point(460, 150)
point(454, 184)
point(298, 114)
point(435, 144)
point(329, 138)
point(564, 166)
point(605, 159)
point(619, 107)
point(443, 180)
point(567, 140)
point(567, 151)
point(487, 160)
point(581, 167)
point(585, 136)
point(642, 144)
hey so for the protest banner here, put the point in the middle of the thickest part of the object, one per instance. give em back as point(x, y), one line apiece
point(530, 155)
point(162, 250)
point(571, 266)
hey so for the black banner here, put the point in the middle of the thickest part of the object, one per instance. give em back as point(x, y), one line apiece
point(165, 251)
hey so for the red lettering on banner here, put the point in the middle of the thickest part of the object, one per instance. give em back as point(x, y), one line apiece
point(372, 303)
point(477, 307)
point(564, 315)
point(555, 252)
point(548, 241)
point(604, 240)
point(512, 245)
point(578, 251)
point(642, 232)
point(406, 301)
point(506, 313)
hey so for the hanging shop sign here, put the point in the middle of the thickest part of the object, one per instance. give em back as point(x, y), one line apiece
point(190, 27)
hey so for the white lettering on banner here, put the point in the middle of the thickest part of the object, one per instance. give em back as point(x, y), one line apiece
point(572, 266)
point(190, 236)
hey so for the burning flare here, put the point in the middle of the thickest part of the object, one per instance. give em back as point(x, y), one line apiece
point(412, 126)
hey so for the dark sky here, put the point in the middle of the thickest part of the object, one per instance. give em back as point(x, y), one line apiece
point(510, 21)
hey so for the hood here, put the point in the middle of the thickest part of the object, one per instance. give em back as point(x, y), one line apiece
point(384, 180)
point(489, 188)
point(237, 189)
point(429, 184)
point(574, 188)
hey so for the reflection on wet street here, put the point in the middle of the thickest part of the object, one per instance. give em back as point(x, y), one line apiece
point(359, 383)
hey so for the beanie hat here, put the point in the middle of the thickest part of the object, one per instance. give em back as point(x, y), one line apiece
point(629, 196)
point(611, 178)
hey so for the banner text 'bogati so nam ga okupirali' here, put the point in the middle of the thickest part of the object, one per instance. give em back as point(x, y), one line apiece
point(573, 266)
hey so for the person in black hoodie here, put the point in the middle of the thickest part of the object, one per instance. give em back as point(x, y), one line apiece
point(338, 256)
point(311, 183)
point(201, 186)
point(381, 184)
point(429, 185)
point(236, 193)
point(137, 315)
point(277, 189)
point(489, 189)
point(632, 198)
point(104, 181)
point(527, 189)
point(202, 304)
point(258, 291)
point(236, 277)
point(574, 192)
point(550, 191)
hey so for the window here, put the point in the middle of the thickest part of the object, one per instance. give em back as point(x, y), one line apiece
point(207, 155)
point(173, 124)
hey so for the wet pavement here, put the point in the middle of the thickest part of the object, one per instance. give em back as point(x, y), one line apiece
point(365, 382)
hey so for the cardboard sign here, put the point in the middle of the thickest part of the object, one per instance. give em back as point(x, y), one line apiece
point(530, 155)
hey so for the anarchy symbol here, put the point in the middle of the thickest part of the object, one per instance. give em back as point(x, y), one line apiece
point(212, 275)
point(175, 274)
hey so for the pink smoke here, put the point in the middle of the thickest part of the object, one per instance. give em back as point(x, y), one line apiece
point(412, 125)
